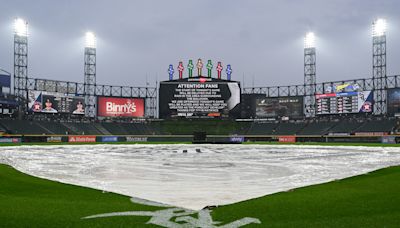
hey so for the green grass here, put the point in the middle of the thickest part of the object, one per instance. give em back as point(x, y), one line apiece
point(371, 200)
point(27, 201)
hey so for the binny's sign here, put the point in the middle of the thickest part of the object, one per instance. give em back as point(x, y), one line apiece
point(120, 107)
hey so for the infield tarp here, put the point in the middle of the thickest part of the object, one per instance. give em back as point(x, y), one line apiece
point(203, 175)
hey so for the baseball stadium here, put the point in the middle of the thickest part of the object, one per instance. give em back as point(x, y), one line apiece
point(199, 149)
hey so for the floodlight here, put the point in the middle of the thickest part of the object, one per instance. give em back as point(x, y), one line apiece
point(309, 40)
point(90, 40)
point(379, 27)
point(20, 27)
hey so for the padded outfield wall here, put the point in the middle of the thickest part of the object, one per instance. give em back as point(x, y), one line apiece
point(220, 139)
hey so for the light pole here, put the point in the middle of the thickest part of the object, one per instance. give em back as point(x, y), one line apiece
point(379, 65)
point(21, 62)
point(309, 74)
point(90, 75)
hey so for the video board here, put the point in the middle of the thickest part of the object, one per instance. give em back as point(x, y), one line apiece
point(199, 98)
point(120, 107)
point(53, 102)
point(279, 107)
point(344, 102)
point(393, 101)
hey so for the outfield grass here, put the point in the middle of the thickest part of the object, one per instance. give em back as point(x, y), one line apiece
point(27, 201)
point(371, 200)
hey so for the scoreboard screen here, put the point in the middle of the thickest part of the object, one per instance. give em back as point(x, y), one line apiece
point(344, 102)
point(53, 102)
point(279, 107)
point(199, 98)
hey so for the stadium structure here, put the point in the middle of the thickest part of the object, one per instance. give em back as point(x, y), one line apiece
point(50, 182)
point(199, 107)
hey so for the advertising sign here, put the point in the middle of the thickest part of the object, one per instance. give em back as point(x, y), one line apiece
point(236, 139)
point(54, 139)
point(10, 140)
point(82, 139)
point(136, 139)
point(279, 107)
point(388, 139)
point(199, 98)
point(287, 139)
point(344, 102)
point(109, 139)
point(346, 87)
point(120, 107)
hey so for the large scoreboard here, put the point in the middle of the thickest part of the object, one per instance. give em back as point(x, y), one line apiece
point(344, 102)
point(53, 102)
point(279, 107)
point(199, 97)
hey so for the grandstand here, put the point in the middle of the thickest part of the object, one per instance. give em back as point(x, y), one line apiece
point(312, 127)
point(317, 128)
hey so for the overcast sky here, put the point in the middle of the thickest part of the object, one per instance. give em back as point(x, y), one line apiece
point(261, 39)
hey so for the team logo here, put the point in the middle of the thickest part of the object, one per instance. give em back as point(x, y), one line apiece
point(366, 107)
point(173, 217)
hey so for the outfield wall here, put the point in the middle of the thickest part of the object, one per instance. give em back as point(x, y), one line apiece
point(72, 139)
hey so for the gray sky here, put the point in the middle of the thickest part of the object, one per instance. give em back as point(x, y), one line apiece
point(261, 39)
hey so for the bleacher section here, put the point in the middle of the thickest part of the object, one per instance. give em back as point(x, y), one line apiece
point(316, 128)
point(131, 128)
point(288, 128)
point(346, 126)
point(377, 126)
point(258, 128)
point(188, 127)
point(115, 128)
point(83, 128)
point(23, 127)
point(2, 129)
point(55, 128)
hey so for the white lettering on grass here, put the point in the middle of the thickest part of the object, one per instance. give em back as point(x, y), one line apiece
point(177, 217)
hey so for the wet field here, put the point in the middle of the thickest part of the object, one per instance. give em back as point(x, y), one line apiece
point(194, 176)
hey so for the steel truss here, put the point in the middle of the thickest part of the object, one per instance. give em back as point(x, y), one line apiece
point(78, 89)
point(90, 81)
point(310, 81)
point(379, 73)
point(21, 70)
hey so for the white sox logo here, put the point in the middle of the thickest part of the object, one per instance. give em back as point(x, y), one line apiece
point(171, 217)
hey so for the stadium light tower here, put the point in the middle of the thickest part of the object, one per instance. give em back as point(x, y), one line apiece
point(21, 61)
point(309, 74)
point(379, 27)
point(90, 75)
